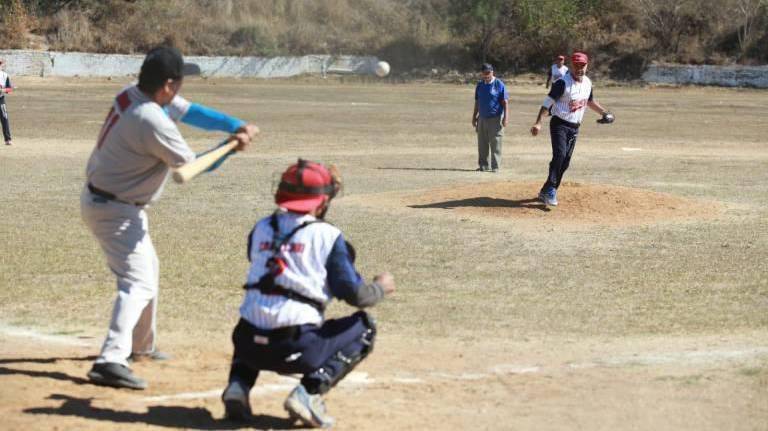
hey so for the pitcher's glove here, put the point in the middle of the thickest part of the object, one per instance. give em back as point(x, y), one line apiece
point(608, 118)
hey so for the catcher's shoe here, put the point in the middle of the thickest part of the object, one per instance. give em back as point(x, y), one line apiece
point(116, 375)
point(237, 406)
point(151, 356)
point(307, 408)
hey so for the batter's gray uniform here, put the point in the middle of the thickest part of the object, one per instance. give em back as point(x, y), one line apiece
point(126, 171)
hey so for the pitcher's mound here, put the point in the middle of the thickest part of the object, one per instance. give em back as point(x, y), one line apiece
point(584, 204)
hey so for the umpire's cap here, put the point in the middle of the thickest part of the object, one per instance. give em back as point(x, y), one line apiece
point(305, 186)
point(163, 63)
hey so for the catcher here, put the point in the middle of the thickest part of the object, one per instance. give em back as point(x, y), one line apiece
point(299, 263)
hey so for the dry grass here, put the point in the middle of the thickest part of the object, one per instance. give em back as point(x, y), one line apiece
point(471, 279)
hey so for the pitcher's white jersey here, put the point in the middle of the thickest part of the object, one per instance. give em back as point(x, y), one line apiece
point(568, 98)
point(305, 256)
point(138, 143)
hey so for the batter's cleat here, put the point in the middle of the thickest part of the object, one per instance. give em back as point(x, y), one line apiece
point(152, 356)
point(308, 409)
point(115, 375)
point(8, 143)
point(237, 406)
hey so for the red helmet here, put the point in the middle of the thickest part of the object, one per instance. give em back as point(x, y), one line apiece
point(305, 186)
point(579, 58)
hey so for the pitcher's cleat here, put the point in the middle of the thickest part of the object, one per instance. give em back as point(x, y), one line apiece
point(548, 196)
point(237, 406)
point(308, 409)
point(115, 375)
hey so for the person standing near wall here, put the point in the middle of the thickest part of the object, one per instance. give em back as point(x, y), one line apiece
point(5, 88)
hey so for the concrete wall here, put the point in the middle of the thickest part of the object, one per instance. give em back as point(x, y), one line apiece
point(46, 63)
point(725, 76)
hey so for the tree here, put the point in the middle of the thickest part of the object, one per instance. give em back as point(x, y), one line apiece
point(747, 13)
point(481, 21)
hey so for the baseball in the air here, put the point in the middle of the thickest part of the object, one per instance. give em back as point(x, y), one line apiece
point(382, 69)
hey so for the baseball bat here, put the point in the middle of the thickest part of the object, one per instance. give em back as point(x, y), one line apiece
point(195, 167)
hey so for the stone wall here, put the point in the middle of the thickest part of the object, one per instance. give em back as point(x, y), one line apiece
point(46, 63)
point(724, 76)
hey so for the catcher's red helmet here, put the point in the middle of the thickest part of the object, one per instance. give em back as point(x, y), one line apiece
point(305, 186)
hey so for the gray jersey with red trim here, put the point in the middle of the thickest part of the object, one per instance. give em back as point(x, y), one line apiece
point(138, 144)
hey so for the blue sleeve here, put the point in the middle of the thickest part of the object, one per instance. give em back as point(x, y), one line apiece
point(211, 119)
point(343, 279)
point(504, 95)
point(557, 90)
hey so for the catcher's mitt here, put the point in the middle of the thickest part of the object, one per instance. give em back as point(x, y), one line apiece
point(608, 118)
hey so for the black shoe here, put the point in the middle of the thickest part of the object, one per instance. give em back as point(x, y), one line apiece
point(482, 169)
point(116, 375)
point(237, 406)
point(153, 356)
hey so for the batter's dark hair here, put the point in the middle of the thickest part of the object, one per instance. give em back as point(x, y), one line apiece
point(161, 64)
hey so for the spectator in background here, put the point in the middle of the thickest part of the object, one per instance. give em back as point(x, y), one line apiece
point(5, 88)
point(557, 70)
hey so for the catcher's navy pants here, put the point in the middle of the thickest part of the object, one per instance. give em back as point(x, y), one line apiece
point(323, 354)
point(563, 136)
point(4, 120)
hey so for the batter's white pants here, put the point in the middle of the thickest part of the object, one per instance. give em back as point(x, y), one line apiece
point(123, 233)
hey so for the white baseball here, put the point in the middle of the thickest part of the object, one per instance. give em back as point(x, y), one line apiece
point(382, 69)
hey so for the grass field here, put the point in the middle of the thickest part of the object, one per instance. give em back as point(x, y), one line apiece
point(640, 303)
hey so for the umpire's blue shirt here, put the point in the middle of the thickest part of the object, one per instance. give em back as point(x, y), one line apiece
point(489, 97)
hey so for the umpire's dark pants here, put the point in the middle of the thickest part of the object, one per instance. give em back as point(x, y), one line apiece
point(4, 120)
point(323, 354)
point(563, 136)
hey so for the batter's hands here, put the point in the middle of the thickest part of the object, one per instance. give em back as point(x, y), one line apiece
point(386, 281)
point(244, 135)
point(504, 122)
point(535, 129)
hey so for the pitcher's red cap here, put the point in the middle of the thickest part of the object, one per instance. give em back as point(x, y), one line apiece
point(579, 58)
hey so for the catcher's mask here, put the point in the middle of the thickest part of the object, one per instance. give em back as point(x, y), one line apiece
point(306, 186)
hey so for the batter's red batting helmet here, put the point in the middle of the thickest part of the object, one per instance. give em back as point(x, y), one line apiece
point(305, 186)
point(579, 58)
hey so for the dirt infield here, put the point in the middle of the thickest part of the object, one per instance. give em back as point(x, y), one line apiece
point(580, 205)
point(638, 303)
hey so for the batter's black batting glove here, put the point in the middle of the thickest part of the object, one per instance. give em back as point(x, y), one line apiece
point(608, 118)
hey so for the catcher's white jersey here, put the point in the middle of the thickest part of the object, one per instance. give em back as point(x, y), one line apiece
point(570, 106)
point(305, 255)
point(138, 143)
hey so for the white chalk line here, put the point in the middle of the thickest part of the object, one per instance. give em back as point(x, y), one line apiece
point(361, 379)
point(66, 340)
point(631, 149)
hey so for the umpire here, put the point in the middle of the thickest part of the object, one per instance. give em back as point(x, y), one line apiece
point(489, 118)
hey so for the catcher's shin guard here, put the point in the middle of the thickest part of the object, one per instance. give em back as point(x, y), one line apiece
point(342, 362)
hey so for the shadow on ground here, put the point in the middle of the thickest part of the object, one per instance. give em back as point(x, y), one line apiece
point(486, 202)
point(195, 418)
point(56, 375)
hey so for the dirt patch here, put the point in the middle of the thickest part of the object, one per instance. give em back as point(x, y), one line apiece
point(579, 204)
